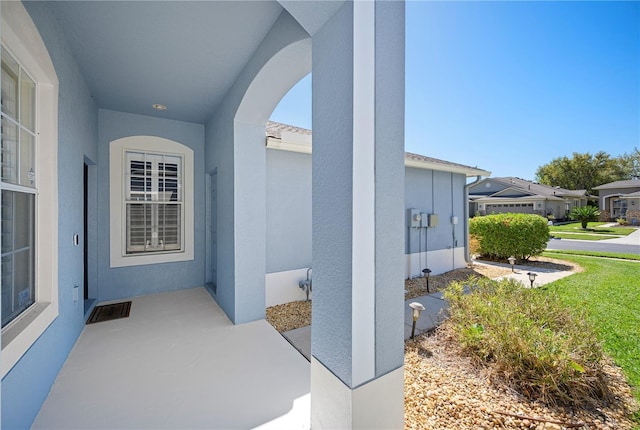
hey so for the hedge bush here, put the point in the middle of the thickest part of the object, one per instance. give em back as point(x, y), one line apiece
point(500, 236)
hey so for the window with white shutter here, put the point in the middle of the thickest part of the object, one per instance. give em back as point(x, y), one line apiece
point(151, 201)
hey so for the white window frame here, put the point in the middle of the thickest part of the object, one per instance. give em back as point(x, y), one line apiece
point(152, 180)
point(117, 197)
point(21, 37)
point(619, 207)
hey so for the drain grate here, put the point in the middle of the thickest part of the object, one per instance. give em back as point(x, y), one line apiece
point(110, 312)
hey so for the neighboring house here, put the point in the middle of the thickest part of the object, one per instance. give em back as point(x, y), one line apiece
point(509, 194)
point(619, 199)
point(434, 189)
point(108, 194)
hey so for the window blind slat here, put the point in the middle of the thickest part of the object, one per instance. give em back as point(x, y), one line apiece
point(156, 224)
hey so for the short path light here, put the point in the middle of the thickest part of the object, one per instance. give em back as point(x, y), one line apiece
point(426, 272)
point(512, 261)
point(416, 309)
point(532, 277)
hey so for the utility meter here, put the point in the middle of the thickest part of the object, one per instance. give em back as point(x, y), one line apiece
point(414, 218)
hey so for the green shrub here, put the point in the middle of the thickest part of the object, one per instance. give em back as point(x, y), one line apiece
point(503, 235)
point(585, 215)
point(622, 221)
point(529, 339)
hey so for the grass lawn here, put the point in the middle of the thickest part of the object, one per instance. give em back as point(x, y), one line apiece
point(560, 253)
point(593, 229)
point(609, 293)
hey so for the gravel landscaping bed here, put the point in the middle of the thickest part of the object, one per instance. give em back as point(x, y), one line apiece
point(294, 315)
point(289, 316)
point(417, 287)
point(446, 390)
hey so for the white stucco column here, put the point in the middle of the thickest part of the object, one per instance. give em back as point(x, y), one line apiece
point(358, 187)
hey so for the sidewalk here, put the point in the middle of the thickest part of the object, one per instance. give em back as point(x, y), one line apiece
point(631, 239)
point(435, 306)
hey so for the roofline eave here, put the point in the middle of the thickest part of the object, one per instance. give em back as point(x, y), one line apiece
point(306, 148)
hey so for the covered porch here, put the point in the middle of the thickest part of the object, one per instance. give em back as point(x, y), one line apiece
point(178, 362)
point(150, 183)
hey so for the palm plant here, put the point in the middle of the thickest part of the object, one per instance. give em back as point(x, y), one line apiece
point(585, 215)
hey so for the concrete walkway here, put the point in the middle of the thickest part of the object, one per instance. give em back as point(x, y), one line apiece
point(630, 239)
point(435, 306)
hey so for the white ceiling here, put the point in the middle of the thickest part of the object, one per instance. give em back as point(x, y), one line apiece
point(183, 54)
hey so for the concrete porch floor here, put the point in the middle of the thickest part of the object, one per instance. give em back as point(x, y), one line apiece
point(178, 362)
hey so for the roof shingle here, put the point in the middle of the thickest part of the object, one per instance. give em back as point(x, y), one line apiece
point(276, 129)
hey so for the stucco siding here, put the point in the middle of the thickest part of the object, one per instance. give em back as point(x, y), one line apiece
point(605, 195)
point(281, 60)
point(288, 210)
point(27, 384)
point(440, 248)
point(121, 282)
point(438, 193)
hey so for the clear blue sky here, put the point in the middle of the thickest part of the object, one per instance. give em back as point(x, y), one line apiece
point(508, 86)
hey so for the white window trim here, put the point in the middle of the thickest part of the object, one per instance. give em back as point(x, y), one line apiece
point(117, 207)
point(21, 36)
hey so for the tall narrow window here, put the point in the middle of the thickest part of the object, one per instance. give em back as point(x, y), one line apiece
point(17, 149)
point(28, 185)
point(153, 202)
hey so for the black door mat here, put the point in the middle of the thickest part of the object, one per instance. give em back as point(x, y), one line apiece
point(110, 312)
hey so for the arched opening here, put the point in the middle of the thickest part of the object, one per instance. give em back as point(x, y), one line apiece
point(288, 198)
point(271, 82)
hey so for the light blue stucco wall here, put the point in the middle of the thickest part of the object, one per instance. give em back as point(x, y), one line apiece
point(26, 386)
point(121, 282)
point(440, 193)
point(389, 165)
point(288, 210)
point(234, 150)
point(333, 192)
point(331, 338)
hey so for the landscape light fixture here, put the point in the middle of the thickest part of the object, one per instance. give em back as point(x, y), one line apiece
point(416, 309)
point(425, 272)
point(532, 277)
point(512, 261)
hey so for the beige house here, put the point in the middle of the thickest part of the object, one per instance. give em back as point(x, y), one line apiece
point(620, 199)
point(515, 195)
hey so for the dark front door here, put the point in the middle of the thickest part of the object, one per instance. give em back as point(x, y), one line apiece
point(85, 204)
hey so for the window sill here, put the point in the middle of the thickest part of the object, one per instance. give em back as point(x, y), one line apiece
point(151, 258)
point(21, 333)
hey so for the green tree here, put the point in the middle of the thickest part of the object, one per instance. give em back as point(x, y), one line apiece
point(581, 171)
point(585, 215)
point(630, 164)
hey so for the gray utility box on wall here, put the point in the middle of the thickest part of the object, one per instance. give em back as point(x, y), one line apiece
point(432, 220)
